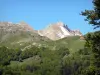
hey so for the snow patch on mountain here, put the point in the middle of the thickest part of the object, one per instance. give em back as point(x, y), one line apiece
point(58, 30)
point(65, 31)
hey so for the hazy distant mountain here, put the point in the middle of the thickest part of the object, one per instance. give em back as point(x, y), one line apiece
point(58, 31)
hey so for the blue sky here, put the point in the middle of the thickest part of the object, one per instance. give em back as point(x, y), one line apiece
point(40, 13)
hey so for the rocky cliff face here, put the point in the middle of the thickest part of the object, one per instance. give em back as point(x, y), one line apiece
point(58, 31)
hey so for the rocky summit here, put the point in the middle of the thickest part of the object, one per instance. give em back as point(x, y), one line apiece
point(58, 31)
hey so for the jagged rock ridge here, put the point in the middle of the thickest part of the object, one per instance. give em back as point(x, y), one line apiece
point(58, 31)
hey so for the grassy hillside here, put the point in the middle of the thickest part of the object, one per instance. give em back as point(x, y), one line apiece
point(25, 40)
point(22, 39)
point(73, 43)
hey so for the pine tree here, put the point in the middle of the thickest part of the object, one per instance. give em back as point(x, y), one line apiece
point(93, 16)
point(93, 39)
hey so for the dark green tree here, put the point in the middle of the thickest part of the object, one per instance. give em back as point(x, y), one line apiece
point(93, 16)
point(93, 39)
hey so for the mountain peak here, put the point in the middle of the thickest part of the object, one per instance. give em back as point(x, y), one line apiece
point(60, 23)
point(58, 30)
